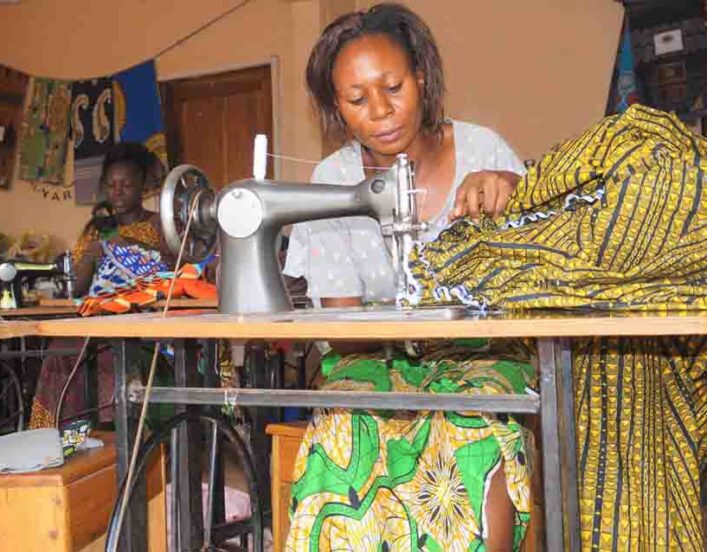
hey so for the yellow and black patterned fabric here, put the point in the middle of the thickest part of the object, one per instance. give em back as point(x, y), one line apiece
point(614, 219)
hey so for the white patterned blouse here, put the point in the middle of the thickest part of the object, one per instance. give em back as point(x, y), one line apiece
point(347, 257)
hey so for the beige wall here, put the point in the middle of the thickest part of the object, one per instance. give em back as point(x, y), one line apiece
point(537, 71)
point(533, 69)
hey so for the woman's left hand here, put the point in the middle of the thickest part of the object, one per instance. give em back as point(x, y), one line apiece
point(484, 192)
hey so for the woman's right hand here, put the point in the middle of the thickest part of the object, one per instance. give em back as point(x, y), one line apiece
point(485, 192)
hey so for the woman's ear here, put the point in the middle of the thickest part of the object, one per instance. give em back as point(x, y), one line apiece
point(420, 78)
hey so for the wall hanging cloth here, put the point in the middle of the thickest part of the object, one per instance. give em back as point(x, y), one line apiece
point(13, 88)
point(138, 115)
point(44, 132)
point(625, 89)
point(92, 132)
point(92, 117)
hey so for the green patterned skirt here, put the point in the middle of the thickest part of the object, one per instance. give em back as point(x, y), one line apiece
point(412, 480)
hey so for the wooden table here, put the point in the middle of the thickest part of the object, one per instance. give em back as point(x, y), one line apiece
point(39, 311)
point(182, 303)
point(552, 330)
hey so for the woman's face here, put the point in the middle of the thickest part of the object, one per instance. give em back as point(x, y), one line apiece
point(124, 186)
point(378, 95)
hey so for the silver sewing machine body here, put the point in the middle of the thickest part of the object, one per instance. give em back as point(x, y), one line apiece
point(247, 216)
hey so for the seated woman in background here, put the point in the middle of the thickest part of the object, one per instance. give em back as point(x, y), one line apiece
point(113, 249)
point(427, 480)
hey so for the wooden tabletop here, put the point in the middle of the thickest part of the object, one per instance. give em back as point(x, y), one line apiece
point(183, 303)
point(17, 328)
point(21, 322)
point(39, 311)
point(370, 324)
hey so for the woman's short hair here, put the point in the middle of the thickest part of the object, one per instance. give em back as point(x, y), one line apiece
point(132, 153)
point(403, 27)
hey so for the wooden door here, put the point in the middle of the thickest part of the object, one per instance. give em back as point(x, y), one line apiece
point(212, 121)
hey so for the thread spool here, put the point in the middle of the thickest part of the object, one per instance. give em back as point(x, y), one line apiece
point(260, 152)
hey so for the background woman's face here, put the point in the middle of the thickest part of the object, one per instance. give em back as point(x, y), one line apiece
point(377, 93)
point(124, 185)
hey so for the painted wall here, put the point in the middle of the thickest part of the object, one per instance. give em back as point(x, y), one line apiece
point(533, 69)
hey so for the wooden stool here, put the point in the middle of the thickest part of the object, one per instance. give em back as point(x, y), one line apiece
point(286, 439)
point(67, 508)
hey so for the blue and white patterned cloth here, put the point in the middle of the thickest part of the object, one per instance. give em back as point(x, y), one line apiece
point(121, 264)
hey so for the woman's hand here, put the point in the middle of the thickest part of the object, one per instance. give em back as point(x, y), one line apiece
point(484, 192)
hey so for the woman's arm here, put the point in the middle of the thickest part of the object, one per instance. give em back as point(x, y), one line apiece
point(86, 254)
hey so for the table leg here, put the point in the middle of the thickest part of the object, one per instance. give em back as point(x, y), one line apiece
point(133, 537)
point(90, 367)
point(174, 482)
point(191, 522)
point(261, 375)
point(559, 465)
point(568, 435)
point(216, 464)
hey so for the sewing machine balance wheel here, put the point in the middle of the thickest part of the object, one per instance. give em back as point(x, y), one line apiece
point(184, 186)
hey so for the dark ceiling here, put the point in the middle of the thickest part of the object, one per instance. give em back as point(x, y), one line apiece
point(646, 13)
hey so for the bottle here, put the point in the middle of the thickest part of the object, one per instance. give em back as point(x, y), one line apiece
point(7, 301)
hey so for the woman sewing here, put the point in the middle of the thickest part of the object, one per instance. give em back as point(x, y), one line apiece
point(122, 241)
point(613, 218)
point(401, 482)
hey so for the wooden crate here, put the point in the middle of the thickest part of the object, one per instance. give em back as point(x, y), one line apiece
point(68, 508)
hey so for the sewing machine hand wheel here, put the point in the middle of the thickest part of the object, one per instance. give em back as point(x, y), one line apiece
point(184, 186)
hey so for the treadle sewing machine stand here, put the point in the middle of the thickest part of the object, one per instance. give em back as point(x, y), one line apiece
point(246, 217)
point(556, 409)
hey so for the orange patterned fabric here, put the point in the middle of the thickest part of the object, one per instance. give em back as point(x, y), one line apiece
point(147, 291)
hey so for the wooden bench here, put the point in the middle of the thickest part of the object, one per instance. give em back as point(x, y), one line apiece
point(68, 508)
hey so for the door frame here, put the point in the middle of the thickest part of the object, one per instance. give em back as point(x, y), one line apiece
point(276, 94)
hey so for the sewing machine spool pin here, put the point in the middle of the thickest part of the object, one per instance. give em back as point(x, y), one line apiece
point(247, 216)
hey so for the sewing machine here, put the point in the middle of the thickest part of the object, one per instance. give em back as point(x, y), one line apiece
point(246, 217)
point(16, 275)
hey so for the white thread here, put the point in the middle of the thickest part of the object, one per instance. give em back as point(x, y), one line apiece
point(313, 162)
